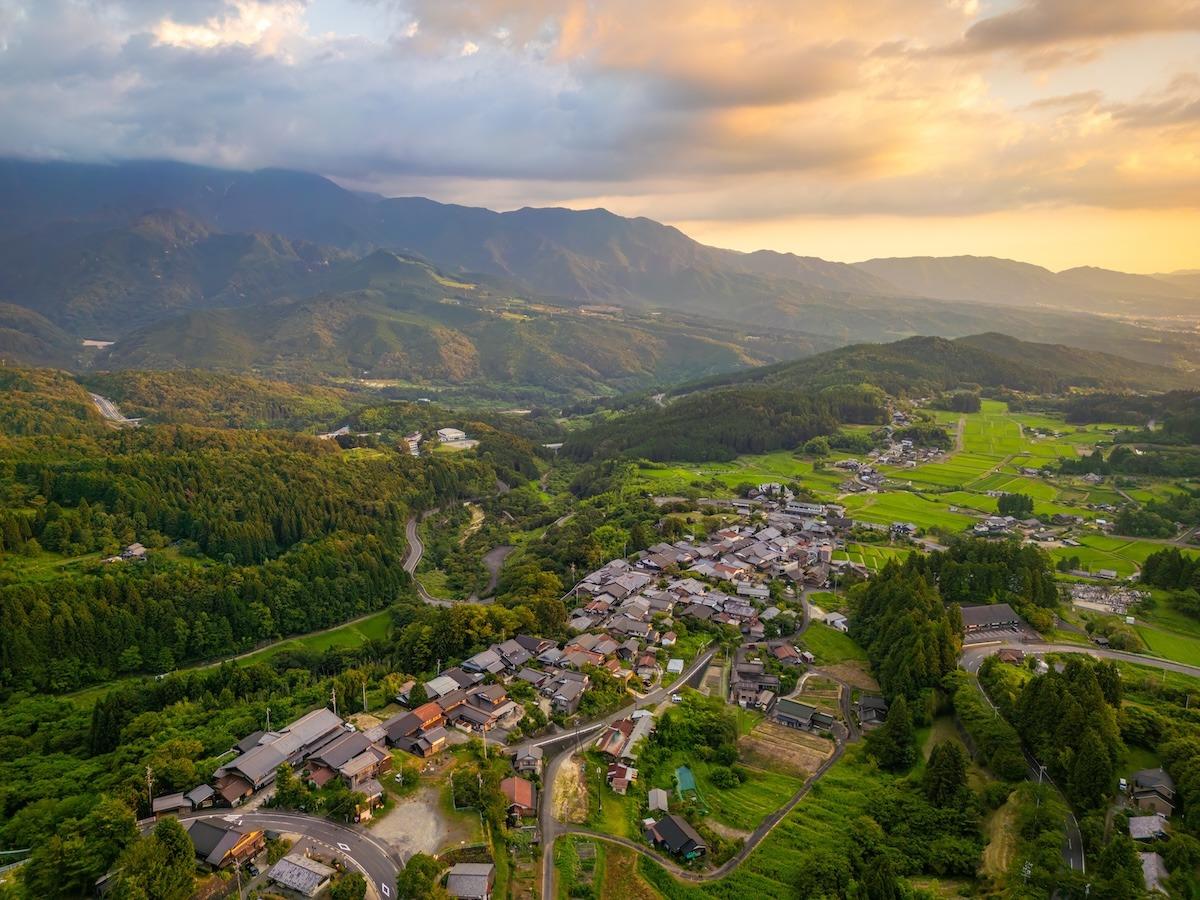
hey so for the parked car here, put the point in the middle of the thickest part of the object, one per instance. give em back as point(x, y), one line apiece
point(1123, 786)
point(675, 698)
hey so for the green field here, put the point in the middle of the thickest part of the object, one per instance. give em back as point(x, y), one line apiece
point(372, 628)
point(902, 506)
point(1171, 645)
point(873, 556)
point(831, 646)
point(819, 822)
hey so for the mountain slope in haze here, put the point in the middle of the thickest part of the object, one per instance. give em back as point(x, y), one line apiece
point(1005, 282)
point(94, 279)
point(394, 317)
point(923, 365)
point(29, 339)
point(95, 284)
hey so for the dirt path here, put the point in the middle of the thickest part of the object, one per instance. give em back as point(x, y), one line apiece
point(476, 522)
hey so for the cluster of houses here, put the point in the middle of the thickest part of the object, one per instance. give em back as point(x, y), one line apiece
point(620, 743)
point(1152, 792)
point(623, 599)
point(458, 699)
point(132, 553)
point(905, 455)
point(319, 746)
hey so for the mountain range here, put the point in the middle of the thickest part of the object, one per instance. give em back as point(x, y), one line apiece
point(288, 274)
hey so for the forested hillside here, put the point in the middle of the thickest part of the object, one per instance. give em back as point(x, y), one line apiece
point(921, 366)
point(720, 424)
point(783, 405)
point(249, 536)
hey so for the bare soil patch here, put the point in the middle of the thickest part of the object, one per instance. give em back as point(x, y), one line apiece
point(424, 822)
point(476, 522)
point(570, 792)
point(854, 674)
point(785, 750)
point(365, 721)
point(998, 854)
point(726, 832)
point(415, 824)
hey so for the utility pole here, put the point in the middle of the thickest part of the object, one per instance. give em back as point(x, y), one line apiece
point(150, 787)
point(268, 717)
point(333, 697)
point(365, 696)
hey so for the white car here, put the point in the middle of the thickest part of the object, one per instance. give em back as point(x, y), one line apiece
point(675, 698)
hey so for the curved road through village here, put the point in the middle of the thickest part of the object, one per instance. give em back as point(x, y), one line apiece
point(971, 659)
point(354, 845)
point(380, 864)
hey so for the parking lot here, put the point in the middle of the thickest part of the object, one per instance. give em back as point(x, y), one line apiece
point(1020, 632)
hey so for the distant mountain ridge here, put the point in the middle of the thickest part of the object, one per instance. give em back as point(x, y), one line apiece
point(185, 265)
point(1005, 282)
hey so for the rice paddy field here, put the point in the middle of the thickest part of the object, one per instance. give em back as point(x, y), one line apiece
point(951, 494)
point(1171, 645)
point(901, 506)
point(873, 556)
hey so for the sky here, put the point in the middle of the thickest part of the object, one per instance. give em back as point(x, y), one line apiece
point(1059, 132)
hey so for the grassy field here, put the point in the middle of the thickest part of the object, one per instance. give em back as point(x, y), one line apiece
point(873, 556)
point(818, 823)
point(743, 807)
point(621, 880)
point(1170, 645)
point(373, 628)
point(902, 506)
point(831, 646)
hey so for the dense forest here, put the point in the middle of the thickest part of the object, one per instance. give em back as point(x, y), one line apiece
point(907, 617)
point(721, 424)
point(248, 535)
point(927, 366)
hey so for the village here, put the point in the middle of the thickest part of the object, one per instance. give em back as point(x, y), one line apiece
point(639, 623)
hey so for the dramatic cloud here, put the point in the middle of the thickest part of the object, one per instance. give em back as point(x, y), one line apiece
point(685, 110)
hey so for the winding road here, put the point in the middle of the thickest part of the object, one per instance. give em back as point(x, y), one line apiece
point(972, 658)
point(109, 410)
point(354, 845)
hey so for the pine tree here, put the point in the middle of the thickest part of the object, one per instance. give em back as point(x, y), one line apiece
point(892, 744)
point(1091, 775)
point(946, 775)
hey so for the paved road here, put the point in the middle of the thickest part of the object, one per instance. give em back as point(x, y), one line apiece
point(109, 410)
point(360, 850)
point(415, 550)
point(973, 657)
point(551, 827)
